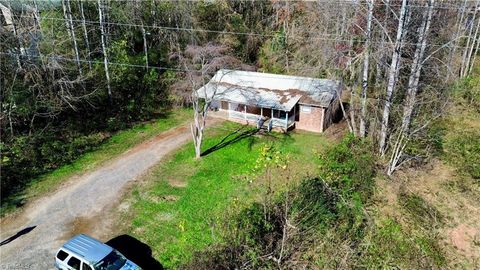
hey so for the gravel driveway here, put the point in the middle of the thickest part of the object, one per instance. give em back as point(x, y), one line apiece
point(83, 199)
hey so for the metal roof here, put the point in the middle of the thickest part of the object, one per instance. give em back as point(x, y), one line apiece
point(267, 90)
point(88, 248)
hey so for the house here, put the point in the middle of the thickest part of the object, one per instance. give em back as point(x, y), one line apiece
point(273, 101)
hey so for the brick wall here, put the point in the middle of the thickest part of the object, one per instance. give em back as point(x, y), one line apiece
point(311, 121)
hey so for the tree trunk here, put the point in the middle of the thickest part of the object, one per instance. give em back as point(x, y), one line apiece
point(67, 11)
point(474, 55)
point(417, 66)
point(38, 30)
point(470, 63)
point(365, 69)
point(104, 50)
point(460, 28)
point(392, 77)
point(381, 65)
point(463, 67)
point(145, 48)
point(85, 33)
point(19, 38)
point(144, 33)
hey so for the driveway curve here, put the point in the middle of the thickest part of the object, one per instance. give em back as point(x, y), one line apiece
point(44, 224)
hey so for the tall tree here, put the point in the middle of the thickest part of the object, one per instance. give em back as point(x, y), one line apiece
point(392, 76)
point(104, 50)
point(85, 33)
point(144, 33)
point(17, 35)
point(469, 62)
point(201, 63)
point(366, 63)
point(460, 28)
point(470, 39)
point(67, 12)
point(412, 89)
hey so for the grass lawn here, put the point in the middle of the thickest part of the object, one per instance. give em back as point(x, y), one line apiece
point(176, 207)
point(112, 147)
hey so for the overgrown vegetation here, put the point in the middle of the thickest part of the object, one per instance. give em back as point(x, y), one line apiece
point(321, 222)
point(113, 144)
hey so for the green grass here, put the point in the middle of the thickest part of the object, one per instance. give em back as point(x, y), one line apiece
point(112, 147)
point(177, 220)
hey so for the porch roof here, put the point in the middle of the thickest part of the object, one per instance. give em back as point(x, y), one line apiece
point(266, 90)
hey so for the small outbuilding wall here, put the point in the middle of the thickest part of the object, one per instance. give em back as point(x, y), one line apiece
point(310, 118)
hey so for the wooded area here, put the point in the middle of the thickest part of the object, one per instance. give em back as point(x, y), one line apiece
point(72, 70)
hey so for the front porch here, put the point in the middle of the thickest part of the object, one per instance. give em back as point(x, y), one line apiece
point(268, 118)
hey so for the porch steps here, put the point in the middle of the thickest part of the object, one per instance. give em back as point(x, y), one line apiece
point(265, 124)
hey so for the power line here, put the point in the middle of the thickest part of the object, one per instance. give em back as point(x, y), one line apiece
point(322, 37)
point(93, 62)
point(333, 2)
point(62, 58)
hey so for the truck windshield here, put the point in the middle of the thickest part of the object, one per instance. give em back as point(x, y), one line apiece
point(112, 261)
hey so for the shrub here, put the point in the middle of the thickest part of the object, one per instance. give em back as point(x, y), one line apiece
point(348, 168)
point(27, 157)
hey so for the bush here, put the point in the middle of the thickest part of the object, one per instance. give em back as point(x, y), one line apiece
point(27, 157)
point(348, 168)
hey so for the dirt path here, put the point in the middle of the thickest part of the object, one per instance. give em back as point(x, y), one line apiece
point(86, 200)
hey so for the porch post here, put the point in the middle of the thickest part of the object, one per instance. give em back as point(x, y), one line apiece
point(261, 111)
point(245, 112)
point(286, 120)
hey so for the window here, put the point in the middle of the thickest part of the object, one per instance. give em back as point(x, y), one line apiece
point(279, 114)
point(62, 255)
point(74, 263)
point(86, 267)
point(224, 105)
point(237, 107)
point(114, 260)
point(306, 109)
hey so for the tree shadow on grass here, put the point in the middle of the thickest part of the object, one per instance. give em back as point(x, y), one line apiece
point(232, 138)
point(136, 251)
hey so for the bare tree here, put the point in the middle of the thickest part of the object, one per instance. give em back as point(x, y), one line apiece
point(474, 55)
point(38, 29)
point(144, 36)
point(85, 33)
point(104, 50)
point(416, 68)
point(67, 12)
point(412, 89)
point(365, 68)
point(201, 62)
point(460, 26)
point(470, 40)
point(469, 62)
point(17, 36)
point(392, 76)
